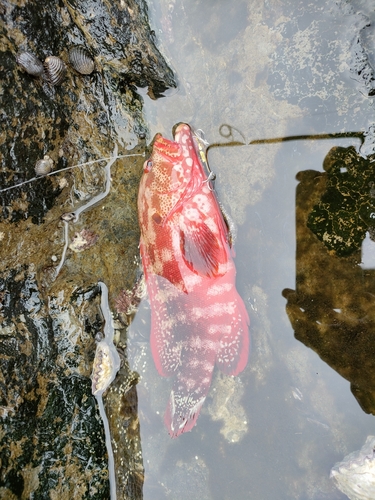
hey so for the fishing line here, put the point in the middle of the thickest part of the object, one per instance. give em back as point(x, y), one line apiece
point(311, 137)
point(69, 168)
point(228, 132)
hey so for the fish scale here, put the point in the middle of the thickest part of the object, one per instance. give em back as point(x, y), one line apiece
point(198, 318)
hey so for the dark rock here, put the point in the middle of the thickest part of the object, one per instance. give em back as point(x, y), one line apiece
point(52, 443)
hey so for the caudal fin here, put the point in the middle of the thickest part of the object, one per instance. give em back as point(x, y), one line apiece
point(182, 412)
point(190, 388)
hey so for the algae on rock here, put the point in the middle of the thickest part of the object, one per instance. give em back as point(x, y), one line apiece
point(52, 437)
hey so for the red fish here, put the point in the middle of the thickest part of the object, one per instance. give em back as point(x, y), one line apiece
point(198, 318)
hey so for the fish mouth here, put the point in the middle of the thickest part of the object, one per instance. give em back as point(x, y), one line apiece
point(186, 142)
point(182, 130)
point(199, 144)
point(179, 127)
point(184, 134)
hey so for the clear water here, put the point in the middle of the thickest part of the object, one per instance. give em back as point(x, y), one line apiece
point(259, 70)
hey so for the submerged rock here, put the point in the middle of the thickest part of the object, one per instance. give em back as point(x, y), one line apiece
point(78, 120)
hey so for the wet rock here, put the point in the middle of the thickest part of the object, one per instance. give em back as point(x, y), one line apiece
point(72, 118)
point(122, 43)
point(65, 335)
point(52, 434)
point(49, 418)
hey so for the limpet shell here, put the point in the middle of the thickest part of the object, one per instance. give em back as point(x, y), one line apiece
point(43, 167)
point(55, 70)
point(106, 365)
point(81, 60)
point(30, 63)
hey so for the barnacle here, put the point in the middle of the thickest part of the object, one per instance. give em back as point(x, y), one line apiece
point(43, 167)
point(83, 240)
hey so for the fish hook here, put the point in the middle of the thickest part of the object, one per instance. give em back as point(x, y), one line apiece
point(211, 181)
point(202, 144)
point(200, 135)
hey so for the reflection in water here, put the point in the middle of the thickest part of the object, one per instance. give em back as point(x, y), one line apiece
point(346, 209)
point(229, 133)
point(305, 137)
point(331, 309)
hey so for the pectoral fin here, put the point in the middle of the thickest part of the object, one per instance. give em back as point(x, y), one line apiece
point(201, 250)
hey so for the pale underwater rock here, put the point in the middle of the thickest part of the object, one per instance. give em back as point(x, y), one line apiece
point(355, 475)
point(225, 405)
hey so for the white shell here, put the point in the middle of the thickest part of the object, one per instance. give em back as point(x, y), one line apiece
point(355, 475)
point(68, 217)
point(106, 365)
point(43, 167)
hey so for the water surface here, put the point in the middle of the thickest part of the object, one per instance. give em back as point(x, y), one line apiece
point(258, 70)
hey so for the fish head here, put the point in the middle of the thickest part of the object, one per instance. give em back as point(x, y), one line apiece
point(178, 209)
point(194, 146)
point(174, 169)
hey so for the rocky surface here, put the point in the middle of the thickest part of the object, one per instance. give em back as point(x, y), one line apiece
point(52, 438)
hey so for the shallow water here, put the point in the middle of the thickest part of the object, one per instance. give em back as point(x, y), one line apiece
point(261, 70)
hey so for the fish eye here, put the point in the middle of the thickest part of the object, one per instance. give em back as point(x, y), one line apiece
point(147, 166)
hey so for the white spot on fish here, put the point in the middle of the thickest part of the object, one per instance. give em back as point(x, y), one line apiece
point(166, 254)
point(217, 310)
point(192, 214)
point(219, 289)
point(215, 329)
